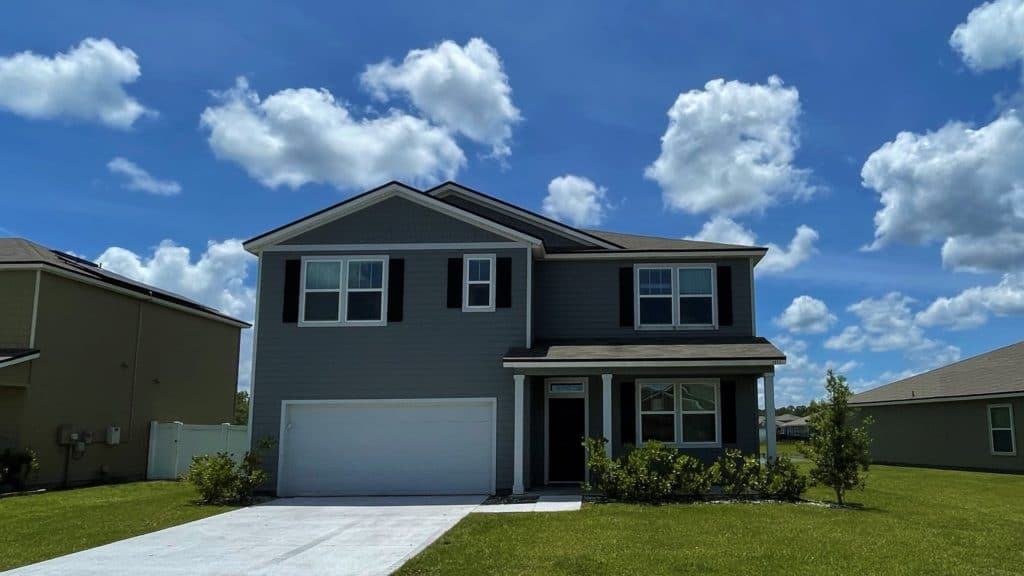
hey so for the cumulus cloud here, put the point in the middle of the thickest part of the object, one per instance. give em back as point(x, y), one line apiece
point(138, 179)
point(802, 378)
point(217, 278)
point(778, 259)
point(85, 83)
point(729, 148)
point(972, 307)
point(576, 200)
point(463, 88)
point(993, 35)
point(300, 136)
point(1002, 250)
point(806, 315)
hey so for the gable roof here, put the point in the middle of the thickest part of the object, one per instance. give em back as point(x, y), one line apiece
point(21, 253)
point(370, 197)
point(655, 243)
point(999, 372)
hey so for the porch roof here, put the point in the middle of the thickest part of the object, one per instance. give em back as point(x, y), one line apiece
point(651, 353)
point(12, 356)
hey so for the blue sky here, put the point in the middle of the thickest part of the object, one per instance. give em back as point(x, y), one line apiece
point(110, 159)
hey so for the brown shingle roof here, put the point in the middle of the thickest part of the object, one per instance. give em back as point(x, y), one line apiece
point(1000, 371)
point(638, 242)
point(757, 349)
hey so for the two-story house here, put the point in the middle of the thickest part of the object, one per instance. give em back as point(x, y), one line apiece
point(445, 341)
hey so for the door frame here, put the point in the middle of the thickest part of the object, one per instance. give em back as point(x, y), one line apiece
point(485, 400)
point(585, 395)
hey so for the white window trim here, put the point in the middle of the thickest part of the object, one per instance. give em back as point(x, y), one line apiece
point(343, 291)
point(1013, 432)
point(466, 259)
point(675, 325)
point(677, 430)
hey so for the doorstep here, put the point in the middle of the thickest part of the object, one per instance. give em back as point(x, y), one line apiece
point(544, 500)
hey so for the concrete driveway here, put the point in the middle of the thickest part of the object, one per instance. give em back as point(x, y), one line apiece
point(288, 536)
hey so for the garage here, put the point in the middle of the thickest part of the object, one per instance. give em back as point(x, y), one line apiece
point(387, 447)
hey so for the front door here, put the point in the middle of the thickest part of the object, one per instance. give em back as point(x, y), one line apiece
point(566, 430)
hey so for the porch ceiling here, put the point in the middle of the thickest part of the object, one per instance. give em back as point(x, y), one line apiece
point(675, 353)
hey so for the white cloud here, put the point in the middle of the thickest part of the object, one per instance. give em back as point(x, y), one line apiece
point(299, 136)
point(217, 279)
point(1003, 250)
point(139, 179)
point(957, 183)
point(801, 378)
point(84, 83)
point(806, 315)
point(463, 88)
point(972, 307)
point(575, 199)
point(729, 148)
point(778, 259)
point(993, 35)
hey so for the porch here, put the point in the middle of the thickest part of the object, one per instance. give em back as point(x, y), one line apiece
point(701, 397)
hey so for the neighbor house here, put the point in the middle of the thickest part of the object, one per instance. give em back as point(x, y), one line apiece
point(412, 342)
point(88, 358)
point(966, 415)
point(795, 429)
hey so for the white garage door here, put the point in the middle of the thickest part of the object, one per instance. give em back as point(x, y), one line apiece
point(378, 447)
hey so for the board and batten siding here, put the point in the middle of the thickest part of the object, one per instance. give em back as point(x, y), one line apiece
point(433, 352)
point(580, 299)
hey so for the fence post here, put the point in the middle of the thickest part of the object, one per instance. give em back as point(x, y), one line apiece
point(225, 436)
point(177, 446)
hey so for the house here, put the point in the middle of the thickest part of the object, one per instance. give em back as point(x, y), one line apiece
point(445, 341)
point(966, 415)
point(88, 358)
point(795, 429)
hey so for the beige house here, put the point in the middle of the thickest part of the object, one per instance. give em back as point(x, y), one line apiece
point(88, 358)
point(969, 415)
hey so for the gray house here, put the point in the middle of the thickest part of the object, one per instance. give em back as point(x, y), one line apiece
point(966, 415)
point(445, 341)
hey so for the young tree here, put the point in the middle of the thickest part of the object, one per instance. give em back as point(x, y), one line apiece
point(241, 408)
point(838, 447)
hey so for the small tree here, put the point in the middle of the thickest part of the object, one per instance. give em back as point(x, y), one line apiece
point(839, 449)
point(241, 408)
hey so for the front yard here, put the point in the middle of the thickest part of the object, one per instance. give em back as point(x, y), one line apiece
point(914, 521)
point(35, 528)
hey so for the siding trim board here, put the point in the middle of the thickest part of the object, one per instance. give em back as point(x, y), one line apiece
point(641, 363)
point(393, 246)
point(940, 399)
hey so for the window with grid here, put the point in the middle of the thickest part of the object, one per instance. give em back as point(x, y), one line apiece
point(478, 291)
point(682, 412)
point(1001, 432)
point(677, 296)
point(339, 291)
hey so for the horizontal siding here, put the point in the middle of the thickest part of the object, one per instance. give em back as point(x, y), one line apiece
point(17, 289)
point(580, 299)
point(434, 351)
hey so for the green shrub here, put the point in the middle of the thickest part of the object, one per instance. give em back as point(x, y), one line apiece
point(781, 480)
point(645, 474)
point(690, 477)
point(735, 473)
point(15, 468)
point(220, 481)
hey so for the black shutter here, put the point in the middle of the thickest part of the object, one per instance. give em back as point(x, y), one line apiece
point(396, 289)
point(626, 297)
point(627, 413)
point(727, 396)
point(724, 284)
point(455, 282)
point(503, 277)
point(292, 279)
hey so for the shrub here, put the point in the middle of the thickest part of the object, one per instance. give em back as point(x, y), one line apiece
point(735, 473)
point(690, 477)
point(781, 480)
point(220, 481)
point(15, 467)
point(645, 474)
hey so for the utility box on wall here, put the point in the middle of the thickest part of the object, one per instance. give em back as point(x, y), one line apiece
point(113, 435)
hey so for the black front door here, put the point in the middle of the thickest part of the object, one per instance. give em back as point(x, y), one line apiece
point(566, 420)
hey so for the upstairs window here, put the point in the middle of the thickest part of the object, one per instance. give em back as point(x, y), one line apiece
point(1002, 440)
point(343, 291)
point(478, 287)
point(678, 296)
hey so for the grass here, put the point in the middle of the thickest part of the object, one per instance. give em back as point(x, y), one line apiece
point(39, 527)
point(913, 521)
point(786, 448)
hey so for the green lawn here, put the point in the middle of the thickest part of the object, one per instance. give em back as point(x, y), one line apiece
point(914, 521)
point(786, 448)
point(34, 528)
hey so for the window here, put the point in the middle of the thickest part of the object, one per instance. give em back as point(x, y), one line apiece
point(478, 287)
point(343, 291)
point(679, 296)
point(1001, 433)
point(680, 412)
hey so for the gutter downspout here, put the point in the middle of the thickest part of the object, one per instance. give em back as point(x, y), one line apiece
point(135, 372)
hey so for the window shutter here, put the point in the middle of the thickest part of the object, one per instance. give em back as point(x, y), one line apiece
point(396, 289)
point(626, 297)
point(724, 285)
point(292, 280)
point(503, 277)
point(455, 282)
point(627, 413)
point(727, 396)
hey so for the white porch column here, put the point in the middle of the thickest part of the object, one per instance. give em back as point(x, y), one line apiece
point(769, 415)
point(517, 466)
point(606, 412)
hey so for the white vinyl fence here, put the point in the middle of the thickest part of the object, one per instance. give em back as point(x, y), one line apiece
point(173, 444)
